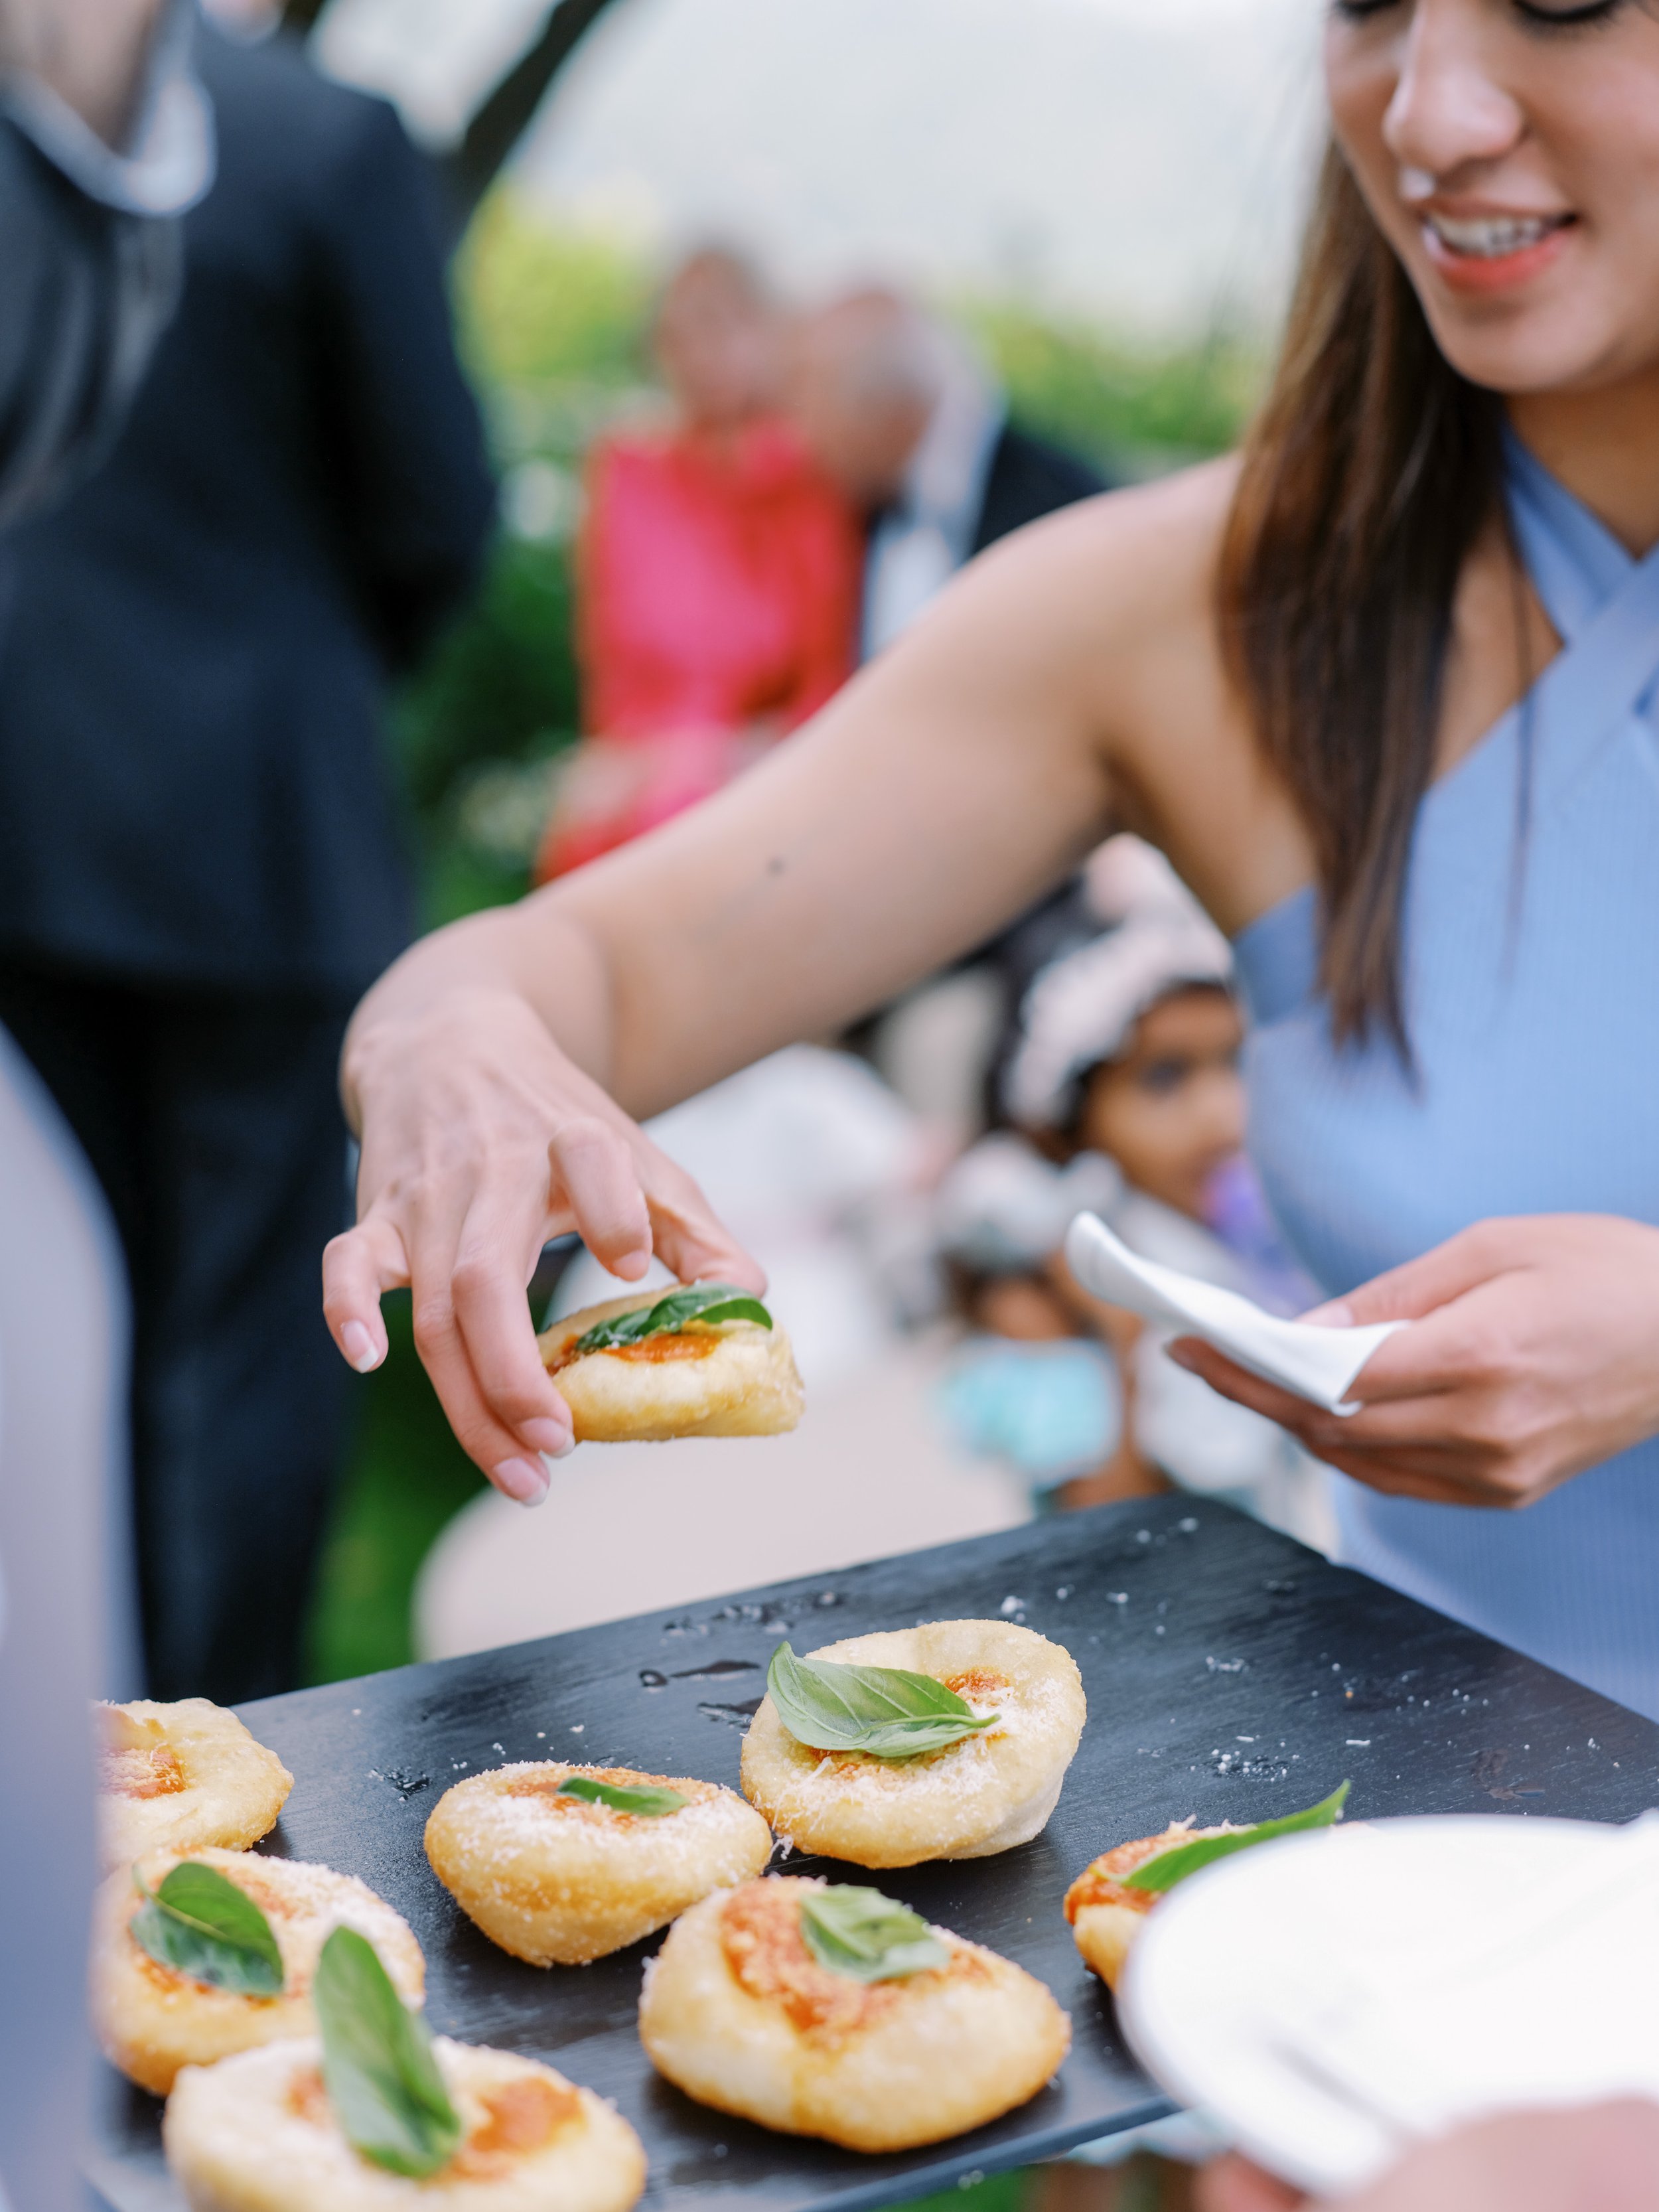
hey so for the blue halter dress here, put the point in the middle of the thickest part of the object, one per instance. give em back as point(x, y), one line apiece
point(1531, 971)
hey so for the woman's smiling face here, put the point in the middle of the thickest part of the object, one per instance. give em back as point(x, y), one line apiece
point(1509, 154)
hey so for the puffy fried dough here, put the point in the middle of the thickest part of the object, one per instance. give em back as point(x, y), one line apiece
point(151, 2019)
point(185, 1778)
point(559, 1881)
point(256, 2134)
point(1106, 1918)
point(725, 1379)
point(983, 1794)
point(737, 2013)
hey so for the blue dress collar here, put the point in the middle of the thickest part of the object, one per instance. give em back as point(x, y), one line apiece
point(1575, 561)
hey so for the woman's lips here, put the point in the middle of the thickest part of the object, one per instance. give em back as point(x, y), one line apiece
point(1493, 253)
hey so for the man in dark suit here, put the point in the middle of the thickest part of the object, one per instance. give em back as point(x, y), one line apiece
point(105, 138)
point(200, 863)
point(899, 413)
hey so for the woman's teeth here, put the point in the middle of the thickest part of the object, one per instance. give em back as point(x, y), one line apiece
point(1489, 238)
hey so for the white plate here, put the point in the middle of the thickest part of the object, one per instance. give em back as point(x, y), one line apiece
point(1332, 1997)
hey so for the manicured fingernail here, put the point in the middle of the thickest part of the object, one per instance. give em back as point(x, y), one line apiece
point(522, 1481)
point(358, 1347)
point(549, 1436)
point(1180, 1355)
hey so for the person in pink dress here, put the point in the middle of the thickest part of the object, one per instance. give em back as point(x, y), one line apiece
point(718, 577)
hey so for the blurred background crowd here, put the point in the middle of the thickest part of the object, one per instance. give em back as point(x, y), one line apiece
point(461, 534)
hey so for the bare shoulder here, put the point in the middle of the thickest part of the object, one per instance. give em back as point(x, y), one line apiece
point(1147, 551)
point(1083, 604)
point(1174, 522)
point(1154, 646)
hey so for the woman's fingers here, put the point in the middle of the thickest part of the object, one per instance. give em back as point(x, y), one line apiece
point(371, 1259)
point(1460, 1345)
point(467, 1271)
point(630, 1203)
point(511, 1461)
point(593, 1171)
point(1529, 1359)
point(482, 1139)
point(1462, 1264)
point(1468, 1343)
point(505, 1395)
point(688, 1234)
point(473, 1329)
point(494, 1256)
point(357, 1269)
point(1239, 1384)
point(1455, 1445)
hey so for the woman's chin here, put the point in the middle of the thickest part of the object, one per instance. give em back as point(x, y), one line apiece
point(1525, 347)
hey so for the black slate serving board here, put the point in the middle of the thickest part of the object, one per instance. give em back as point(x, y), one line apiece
point(1231, 1674)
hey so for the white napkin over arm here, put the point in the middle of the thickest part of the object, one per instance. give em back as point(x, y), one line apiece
point(1317, 1364)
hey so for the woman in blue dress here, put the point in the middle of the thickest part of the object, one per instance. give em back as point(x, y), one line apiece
point(1382, 686)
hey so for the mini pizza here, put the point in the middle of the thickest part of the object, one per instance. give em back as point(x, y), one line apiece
point(1105, 1917)
point(152, 2017)
point(184, 1777)
point(705, 1361)
point(562, 1864)
point(832, 2011)
point(257, 2134)
point(1108, 1904)
point(950, 1741)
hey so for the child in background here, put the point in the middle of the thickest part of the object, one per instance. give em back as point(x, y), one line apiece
point(1116, 1089)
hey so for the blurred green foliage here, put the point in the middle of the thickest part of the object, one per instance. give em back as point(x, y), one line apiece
point(406, 1478)
point(504, 678)
point(551, 327)
point(501, 689)
point(546, 309)
point(1138, 412)
point(1010, 2191)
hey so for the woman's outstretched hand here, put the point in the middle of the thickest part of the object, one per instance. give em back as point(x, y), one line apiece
point(1533, 1354)
point(480, 1140)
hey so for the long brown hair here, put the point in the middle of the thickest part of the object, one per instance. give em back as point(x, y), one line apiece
point(1370, 471)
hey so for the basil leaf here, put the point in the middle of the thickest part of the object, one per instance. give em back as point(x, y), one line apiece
point(650, 1802)
point(707, 1301)
point(199, 1922)
point(738, 1309)
point(1168, 1867)
point(382, 2079)
point(885, 1710)
point(867, 1936)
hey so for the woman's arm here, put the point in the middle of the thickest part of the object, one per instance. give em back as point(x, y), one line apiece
point(1532, 1354)
point(492, 1071)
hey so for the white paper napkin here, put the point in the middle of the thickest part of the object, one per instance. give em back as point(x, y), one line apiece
point(1317, 1364)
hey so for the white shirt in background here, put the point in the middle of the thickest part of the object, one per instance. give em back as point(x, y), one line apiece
point(927, 533)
